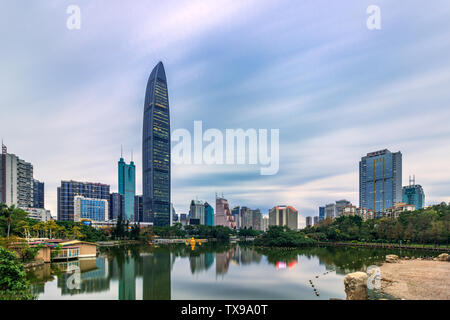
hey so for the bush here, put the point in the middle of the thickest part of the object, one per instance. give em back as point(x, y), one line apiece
point(13, 283)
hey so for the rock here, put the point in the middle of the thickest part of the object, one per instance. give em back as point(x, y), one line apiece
point(444, 257)
point(356, 286)
point(406, 258)
point(391, 258)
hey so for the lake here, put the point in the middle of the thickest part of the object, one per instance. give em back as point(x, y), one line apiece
point(208, 272)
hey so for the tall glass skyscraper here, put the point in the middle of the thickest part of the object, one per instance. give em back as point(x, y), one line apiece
point(414, 194)
point(156, 150)
point(380, 180)
point(127, 187)
point(38, 194)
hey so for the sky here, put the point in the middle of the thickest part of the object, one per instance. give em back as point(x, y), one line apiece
point(312, 69)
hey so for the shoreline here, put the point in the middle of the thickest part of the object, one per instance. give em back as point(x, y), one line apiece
point(416, 279)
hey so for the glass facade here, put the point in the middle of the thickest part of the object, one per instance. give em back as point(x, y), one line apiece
point(38, 194)
point(156, 150)
point(69, 189)
point(209, 215)
point(127, 187)
point(321, 213)
point(116, 206)
point(92, 209)
point(380, 180)
point(414, 195)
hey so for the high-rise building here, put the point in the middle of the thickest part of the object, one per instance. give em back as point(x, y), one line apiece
point(413, 194)
point(309, 222)
point(321, 213)
point(16, 180)
point(340, 205)
point(156, 149)
point(138, 209)
point(330, 211)
point(246, 218)
point(209, 215)
point(38, 194)
point(197, 212)
point(127, 187)
point(236, 213)
point(116, 206)
point(316, 220)
point(69, 189)
point(223, 214)
point(184, 220)
point(380, 180)
point(265, 223)
point(256, 219)
point(92, 209)
point(284, 216)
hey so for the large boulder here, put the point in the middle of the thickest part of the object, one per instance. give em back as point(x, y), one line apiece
point(391, 258)
point(444, 257)
point(356, 286)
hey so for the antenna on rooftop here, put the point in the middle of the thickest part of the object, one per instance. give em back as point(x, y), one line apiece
point(4, 149)
point(131, 154)
point(121, 151)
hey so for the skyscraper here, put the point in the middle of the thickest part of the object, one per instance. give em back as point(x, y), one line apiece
point(414, 194)
point(309, 222)
point(138, 209)
point(156, 150)
point(197, 212)
point(116, 206)
point(321, 213)
point(38, 194)
point(380, 180)
point(223, 214)
point(127, 187)
point(16, 180)
point(209, 215)
point(69, 189)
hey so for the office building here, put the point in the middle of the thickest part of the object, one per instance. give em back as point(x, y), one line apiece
point(116, 206)
point(156, 149)
point(413, 194)
point(209, 215)
point(90, 209)
point(316, 220)
point(197, 212)
point(236, 213)
point(184, 219)
point(138, 209)
point(330, 211)
point(340, 205)
point(321, 213)
point(398, 208)
point(38, 194)
point(256, 219)
point(380, 180)
point(223, 214)
point(127, 187)
point(69, 189)
point(265, 223)
point(16, 180)
point(284, 216)
point(309, 222)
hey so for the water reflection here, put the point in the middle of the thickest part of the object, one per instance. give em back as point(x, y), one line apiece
point(177, 272)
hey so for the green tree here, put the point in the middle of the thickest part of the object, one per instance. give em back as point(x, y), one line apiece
point(13, 283)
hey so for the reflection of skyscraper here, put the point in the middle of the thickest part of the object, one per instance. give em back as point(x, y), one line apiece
point(223, 261)
point(156, 283)
point(127, 281)
point(156, 150)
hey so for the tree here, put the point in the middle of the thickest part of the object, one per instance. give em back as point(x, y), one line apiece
point(13, 283)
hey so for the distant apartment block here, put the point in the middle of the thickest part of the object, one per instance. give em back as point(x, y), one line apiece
point(309, 222)
point(16, 180)
point(197, 212)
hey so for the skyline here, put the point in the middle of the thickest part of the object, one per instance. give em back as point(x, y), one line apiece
point(331, 78)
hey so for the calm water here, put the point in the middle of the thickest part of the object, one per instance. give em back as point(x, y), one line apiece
point(207, 272)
